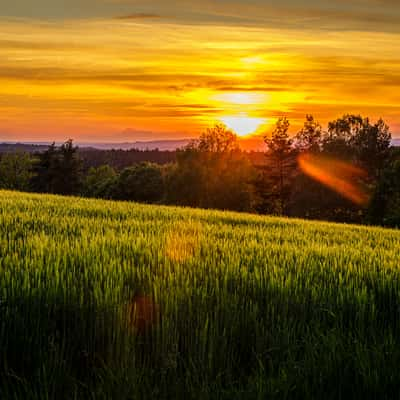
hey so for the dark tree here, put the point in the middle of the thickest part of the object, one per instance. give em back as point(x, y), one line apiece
point(184, 179)
point(212, 173)
point(58, 170)
point(355, 139)
point(16, 171)
point(310, 199)
point(384, 208)
point(217, 140)
point(45, 170)
point(69, 169)
point(371, 146)
point(339, 139)
point(345, 128)
point(100, 182)
point(280, 167)
point(142, 182)
point(309, 139)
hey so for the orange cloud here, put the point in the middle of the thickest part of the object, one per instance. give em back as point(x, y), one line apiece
point(95, 79)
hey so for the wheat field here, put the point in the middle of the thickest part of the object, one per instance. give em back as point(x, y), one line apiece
point(108, 300)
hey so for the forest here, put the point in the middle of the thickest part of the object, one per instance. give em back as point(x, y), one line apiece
point(348, 172)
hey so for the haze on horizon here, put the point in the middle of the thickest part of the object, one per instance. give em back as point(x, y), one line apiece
point(126, 70)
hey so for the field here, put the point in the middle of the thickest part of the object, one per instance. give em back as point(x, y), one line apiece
point(106, 300)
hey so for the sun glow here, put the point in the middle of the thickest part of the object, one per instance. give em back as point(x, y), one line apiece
point(243, 125)
point(127, 83)
point(242, 98)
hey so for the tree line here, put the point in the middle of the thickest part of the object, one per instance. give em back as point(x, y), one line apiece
point(348, 173)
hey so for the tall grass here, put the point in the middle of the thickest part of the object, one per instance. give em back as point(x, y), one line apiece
point(106, 300)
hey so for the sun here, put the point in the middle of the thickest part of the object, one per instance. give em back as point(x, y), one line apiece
point(242, 124)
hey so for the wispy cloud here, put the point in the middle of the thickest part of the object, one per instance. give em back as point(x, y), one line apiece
point(138, 16)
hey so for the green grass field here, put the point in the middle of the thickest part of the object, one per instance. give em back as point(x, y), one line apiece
point(107, 300)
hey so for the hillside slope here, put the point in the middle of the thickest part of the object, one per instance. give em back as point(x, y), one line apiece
point(114, 300)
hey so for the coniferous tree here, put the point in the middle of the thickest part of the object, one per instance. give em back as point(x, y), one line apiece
point(58, 170)
point(309, 139)
point(277, 174)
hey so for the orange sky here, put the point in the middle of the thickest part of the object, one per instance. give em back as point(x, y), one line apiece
point(144, 77)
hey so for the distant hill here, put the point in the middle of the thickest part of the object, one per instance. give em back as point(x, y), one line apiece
point(22, 147)
point(249, 144)
point(162, 145)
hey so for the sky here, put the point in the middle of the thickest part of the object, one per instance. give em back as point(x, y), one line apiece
point(126, 70)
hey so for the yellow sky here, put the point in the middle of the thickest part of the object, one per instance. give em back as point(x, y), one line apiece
point(109, 79)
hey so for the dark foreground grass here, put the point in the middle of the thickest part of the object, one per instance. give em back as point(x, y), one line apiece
point(103, 300)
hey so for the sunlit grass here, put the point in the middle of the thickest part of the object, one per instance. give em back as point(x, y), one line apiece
point(107, 300)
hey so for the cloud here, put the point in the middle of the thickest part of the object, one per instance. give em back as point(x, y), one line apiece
point(158, 75)
point(331, 15)
point(136, 16)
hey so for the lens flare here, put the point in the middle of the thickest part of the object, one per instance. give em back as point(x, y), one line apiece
point(142, 313)
point(182, 242)
point(340, 176)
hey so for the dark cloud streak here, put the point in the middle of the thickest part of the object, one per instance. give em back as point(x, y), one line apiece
point(334, 15)
point(137, 16)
